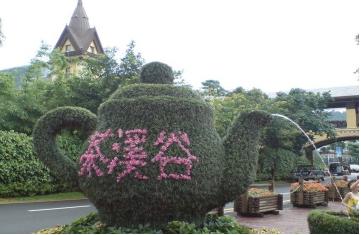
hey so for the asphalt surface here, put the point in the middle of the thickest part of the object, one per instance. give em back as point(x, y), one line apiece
point(30, 217)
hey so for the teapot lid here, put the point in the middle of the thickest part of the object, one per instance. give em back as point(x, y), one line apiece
point(156, 73)
point(156, 80)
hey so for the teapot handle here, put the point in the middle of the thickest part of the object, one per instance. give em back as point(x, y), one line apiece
point(44, 139)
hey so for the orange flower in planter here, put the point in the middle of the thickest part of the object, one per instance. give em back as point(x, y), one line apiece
point(339, 184)
point(257, 192)
point(309, 187)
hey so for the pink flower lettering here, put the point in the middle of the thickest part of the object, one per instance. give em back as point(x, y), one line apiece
point(89, 160)
point(181, 140)
point(130, 155)
point(135, 155)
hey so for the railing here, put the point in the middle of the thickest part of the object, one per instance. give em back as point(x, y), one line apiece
point(339, 124)
point(347, 131)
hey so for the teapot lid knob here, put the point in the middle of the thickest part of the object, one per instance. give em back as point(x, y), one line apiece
point(156, 72)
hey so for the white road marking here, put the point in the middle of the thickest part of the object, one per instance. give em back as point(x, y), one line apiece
point(59, 208)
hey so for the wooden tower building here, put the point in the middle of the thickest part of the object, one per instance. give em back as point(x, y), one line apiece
point(77, 38)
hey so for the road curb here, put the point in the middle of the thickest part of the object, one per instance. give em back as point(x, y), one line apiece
point(42, 201)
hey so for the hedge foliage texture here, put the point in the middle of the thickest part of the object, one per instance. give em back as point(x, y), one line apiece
point(156, 156)
point(156, 72)
point(326, 222)
point(21, 172)
point(44, 139)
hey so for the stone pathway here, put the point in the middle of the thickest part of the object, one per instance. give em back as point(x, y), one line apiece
point(290, 220)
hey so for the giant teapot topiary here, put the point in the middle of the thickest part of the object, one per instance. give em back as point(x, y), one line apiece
point(154, 155)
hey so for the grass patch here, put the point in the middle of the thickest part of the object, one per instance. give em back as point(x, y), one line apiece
point(44, 198)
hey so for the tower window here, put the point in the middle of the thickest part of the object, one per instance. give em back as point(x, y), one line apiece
point(68, 48)
point(91, 49)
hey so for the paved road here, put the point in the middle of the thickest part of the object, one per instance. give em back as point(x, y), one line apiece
point(30, 217)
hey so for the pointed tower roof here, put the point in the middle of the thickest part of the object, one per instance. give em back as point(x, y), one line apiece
point(79, 22)
point(79, 33)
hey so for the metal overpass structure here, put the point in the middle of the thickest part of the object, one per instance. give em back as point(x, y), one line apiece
point(342, 97)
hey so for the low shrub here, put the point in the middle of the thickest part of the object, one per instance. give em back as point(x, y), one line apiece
point(21, 173)
point(326, 222)
point(91, 224)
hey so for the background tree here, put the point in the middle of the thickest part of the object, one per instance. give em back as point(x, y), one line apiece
point(1, 35)
point(131, 63)
point(213, 88)
point(48, 84)
point(305, 108)
point(7, 97)
point(353, 148)
point(282, 142)
point(228, 107)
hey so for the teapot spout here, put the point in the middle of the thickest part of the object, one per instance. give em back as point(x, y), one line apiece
point(242, 144)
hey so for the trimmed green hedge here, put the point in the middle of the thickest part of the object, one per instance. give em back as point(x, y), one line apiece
point(21, 172)
point(90, 224)
point(156, 72)
point(156, 90)
point(242, 144)
point(178, 113)
point(44, 137)
point(159, 201)
point(326, 222)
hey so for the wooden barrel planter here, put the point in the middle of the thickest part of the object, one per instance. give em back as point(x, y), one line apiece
point(256, 206)
point(334, 196)
point(302, 197)
point(343, 188)
point(309, 199)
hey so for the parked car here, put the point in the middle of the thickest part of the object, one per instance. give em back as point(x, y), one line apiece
point(307, 172)
point(354, 168)
point(339, 168)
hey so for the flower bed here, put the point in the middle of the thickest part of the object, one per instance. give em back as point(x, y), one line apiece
point(309, 194)
point(258, 201)
point(91, 224)
point(342, 186)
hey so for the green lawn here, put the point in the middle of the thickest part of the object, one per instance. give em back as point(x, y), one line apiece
point(44, 198)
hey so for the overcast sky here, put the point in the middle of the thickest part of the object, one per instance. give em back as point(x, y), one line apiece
point(271, 45)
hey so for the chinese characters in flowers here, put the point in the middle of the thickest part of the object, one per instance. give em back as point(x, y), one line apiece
point(131, 156)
